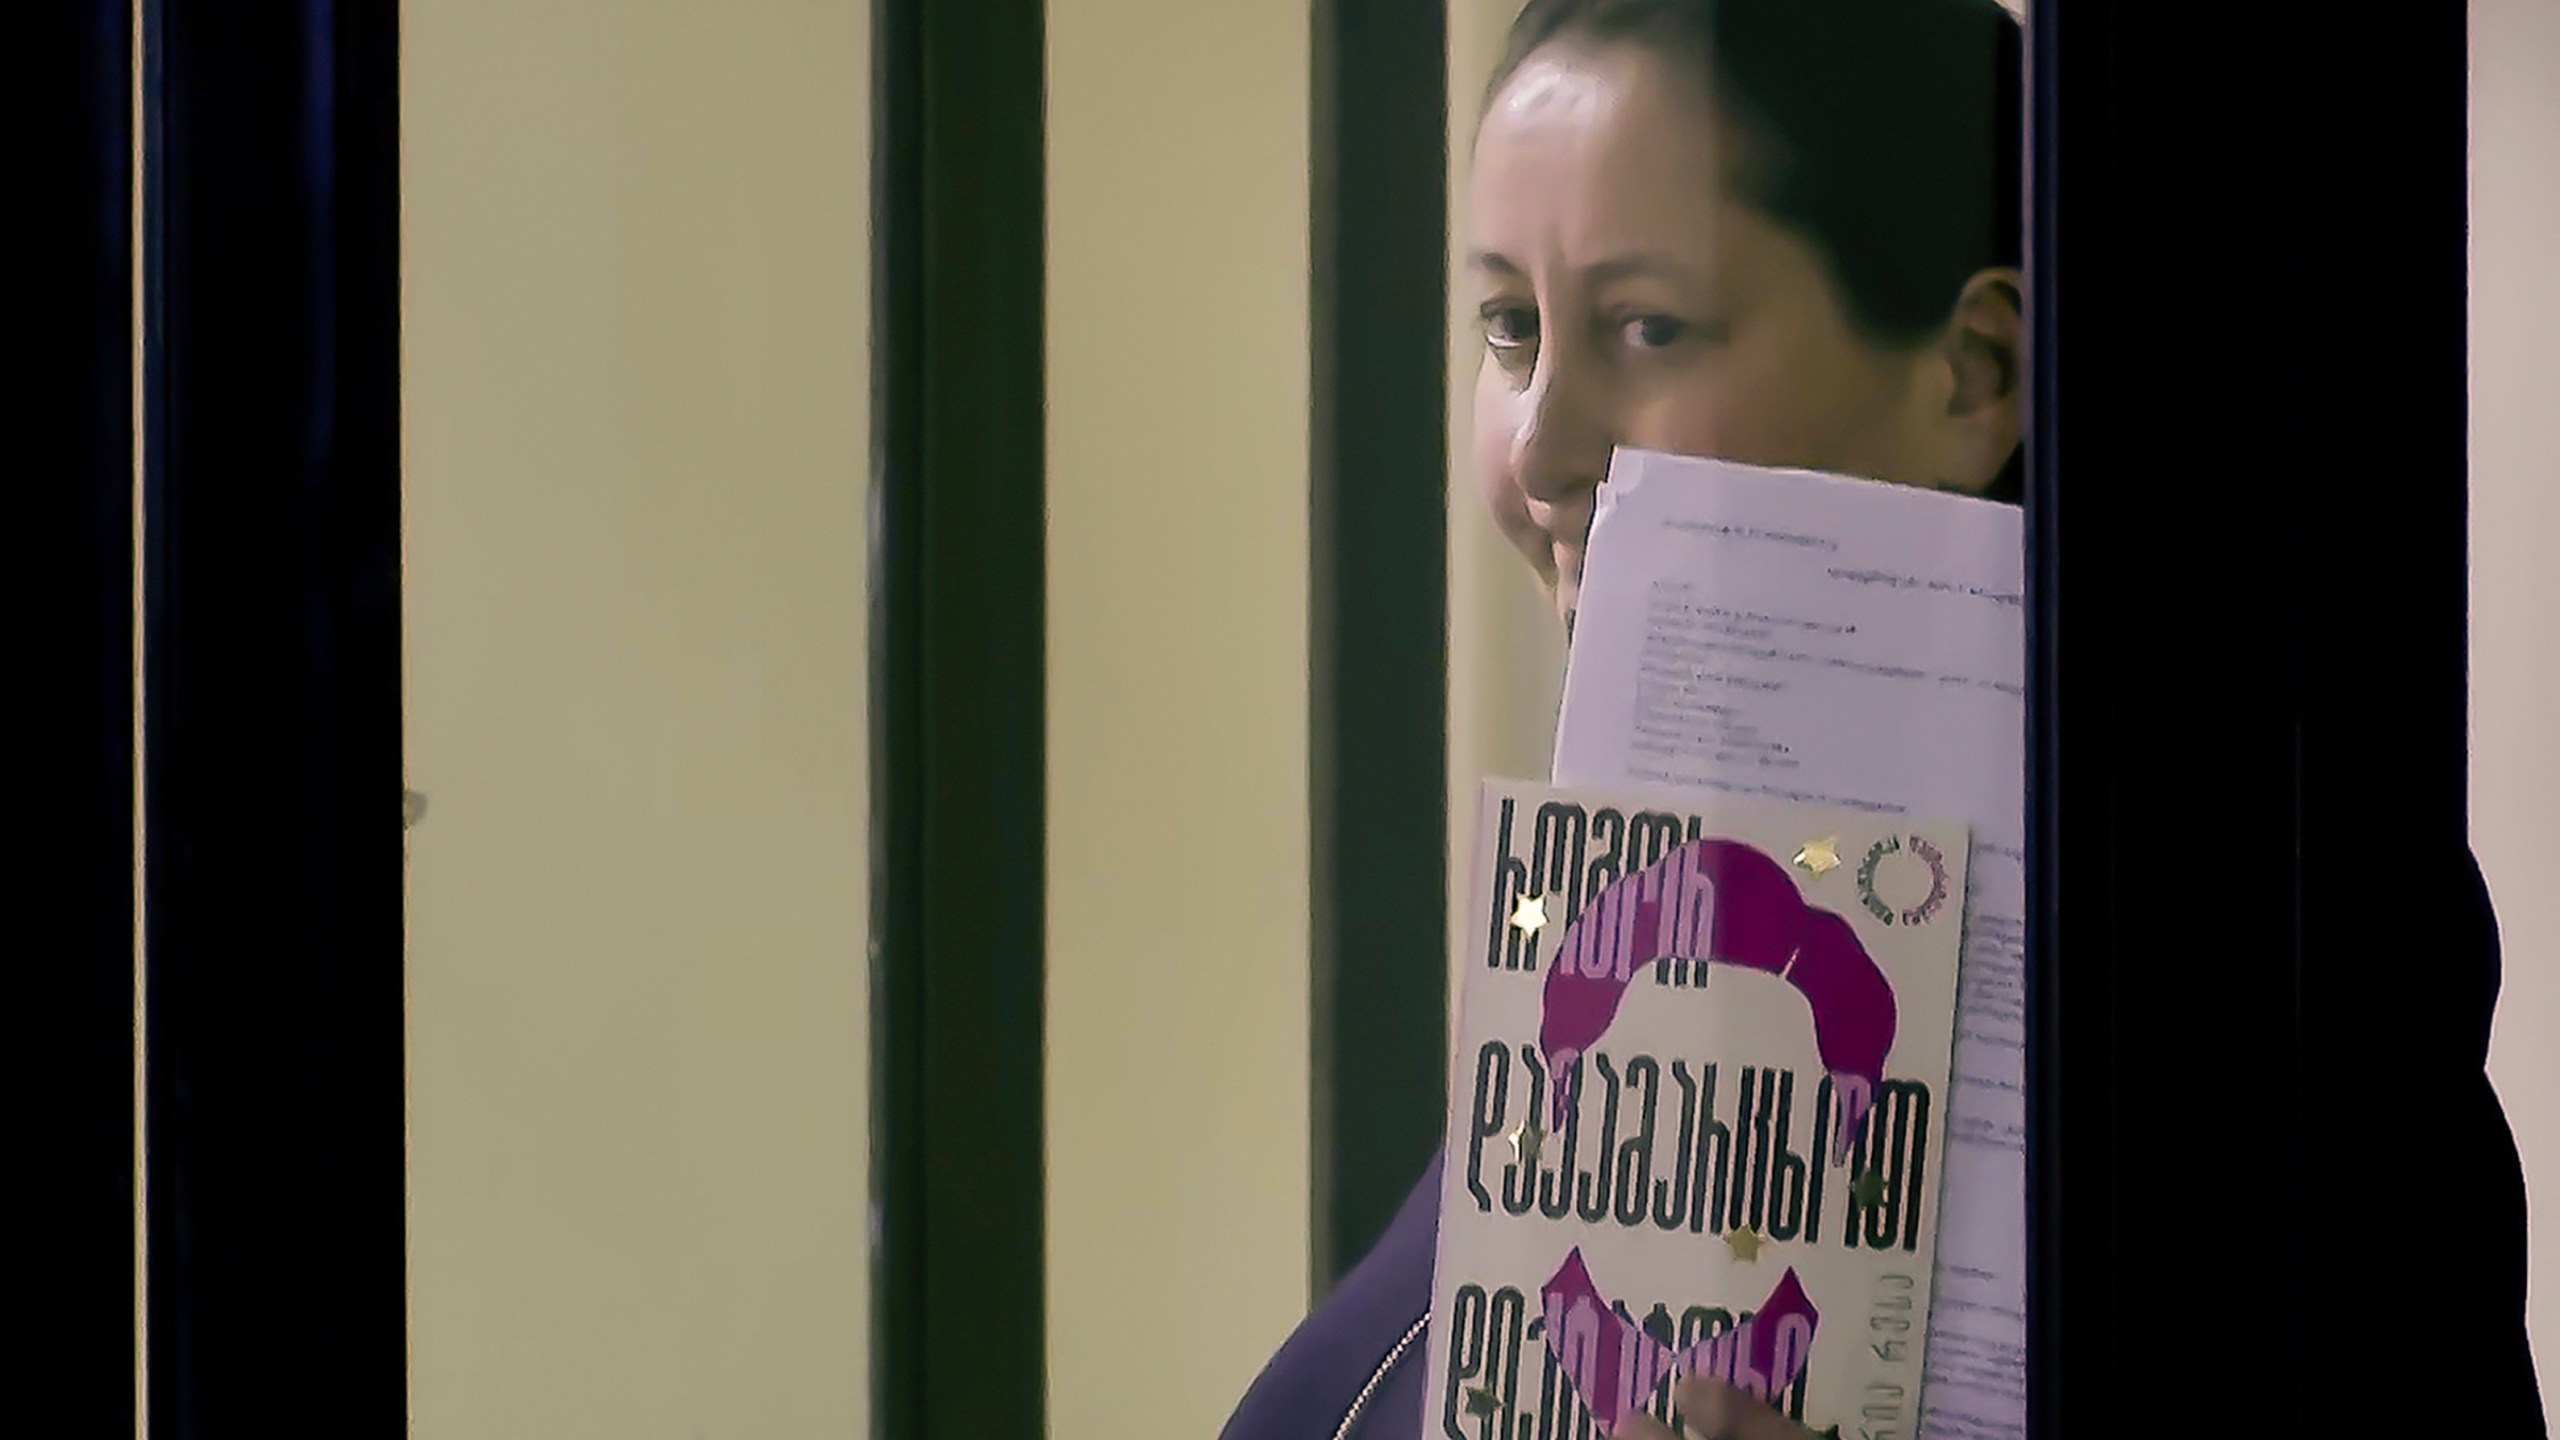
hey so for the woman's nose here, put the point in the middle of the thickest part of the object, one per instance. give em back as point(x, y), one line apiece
point(1561, 450)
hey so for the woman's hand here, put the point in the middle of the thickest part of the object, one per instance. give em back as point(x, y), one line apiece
point(1710, 1409)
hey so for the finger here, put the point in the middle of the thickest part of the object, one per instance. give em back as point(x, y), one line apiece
point(1637, 1425)
point(1716, 1410)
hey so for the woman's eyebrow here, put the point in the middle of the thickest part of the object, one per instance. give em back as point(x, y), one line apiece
point(1633, 265)
point(1637, 265)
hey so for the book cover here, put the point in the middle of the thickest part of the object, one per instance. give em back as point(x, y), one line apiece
point(1697, 1110)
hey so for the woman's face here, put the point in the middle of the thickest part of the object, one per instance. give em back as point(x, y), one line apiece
point(1629, 298)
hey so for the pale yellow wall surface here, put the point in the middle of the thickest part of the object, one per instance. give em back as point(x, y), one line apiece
point(635, 243)
point(1177, 375)
point(2515, 588)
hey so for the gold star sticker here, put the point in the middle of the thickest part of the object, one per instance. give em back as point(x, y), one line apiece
point(1821, 857)
point(1525, 1139)
point(1744, 1243)
point(1867, 1188)
point(1480, 1401)
point(1530, 915)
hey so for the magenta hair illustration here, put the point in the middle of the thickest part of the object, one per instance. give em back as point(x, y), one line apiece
point(1724, 903)
point(1615, 1366)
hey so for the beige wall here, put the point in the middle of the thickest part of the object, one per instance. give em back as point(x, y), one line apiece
point(1177, 363)
point(635, 240)
point(2515, 589)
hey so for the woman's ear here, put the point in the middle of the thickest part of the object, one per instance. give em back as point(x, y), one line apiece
point(1986, 361)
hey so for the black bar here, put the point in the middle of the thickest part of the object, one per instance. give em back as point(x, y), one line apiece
point(1378, 607)
point(71, 520)
point(2262, 966)
point(272, 693)
point(2168, 693)
point(957, 715)
point(2397, 1040)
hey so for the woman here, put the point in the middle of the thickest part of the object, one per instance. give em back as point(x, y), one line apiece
point(1784, 232)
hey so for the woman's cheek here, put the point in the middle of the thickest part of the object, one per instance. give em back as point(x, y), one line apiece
point(1693, 422)
point(1496, 480)
point(1510, 505)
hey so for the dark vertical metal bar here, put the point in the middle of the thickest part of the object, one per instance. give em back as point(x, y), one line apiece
point(2066, 1354)
point(2400, 959)
point(1377, 579)
point(2163, 719)
point(73, 993)
point(2261, 965)
point(276, 1216)
point(958, 717)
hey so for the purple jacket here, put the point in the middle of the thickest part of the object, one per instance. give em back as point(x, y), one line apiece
point(1353, 1370)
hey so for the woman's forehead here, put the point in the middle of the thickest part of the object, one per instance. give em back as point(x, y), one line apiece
point(1585, 153)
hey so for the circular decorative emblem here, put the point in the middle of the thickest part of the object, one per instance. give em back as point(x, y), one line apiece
point(1903, 880)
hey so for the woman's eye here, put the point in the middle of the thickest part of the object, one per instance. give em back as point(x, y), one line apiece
point(1510, 327)
point(1652, 332)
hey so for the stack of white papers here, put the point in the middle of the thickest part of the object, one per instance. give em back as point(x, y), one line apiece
point(1831, 641)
